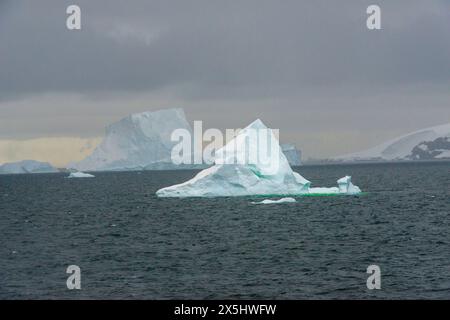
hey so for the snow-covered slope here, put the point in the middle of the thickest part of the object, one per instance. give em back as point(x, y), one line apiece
point(268, 173)
point(293, 155)
point(138, 141)
point(27, 166)
point(406, 147)
point(436, 149)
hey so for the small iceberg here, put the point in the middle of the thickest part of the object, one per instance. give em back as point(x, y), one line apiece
point(265, 171)
point(80, 174)
point(346, 186)
point(282, 200)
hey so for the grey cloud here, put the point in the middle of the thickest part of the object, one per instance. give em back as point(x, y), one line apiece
point(304, 65)
point(214, 46)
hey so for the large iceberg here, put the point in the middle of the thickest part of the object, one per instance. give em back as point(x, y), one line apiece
point(27, 166)
point(140, 141)
point(268, 174)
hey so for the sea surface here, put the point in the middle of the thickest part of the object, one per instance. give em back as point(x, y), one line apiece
point(131, 245)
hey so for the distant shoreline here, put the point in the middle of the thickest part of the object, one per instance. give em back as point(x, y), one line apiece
point(362, 162)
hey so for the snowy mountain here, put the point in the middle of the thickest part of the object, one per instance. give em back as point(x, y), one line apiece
point(27, 166)
point(137, 142)
point(293, 155)
point(435, 149)
point(426, 144)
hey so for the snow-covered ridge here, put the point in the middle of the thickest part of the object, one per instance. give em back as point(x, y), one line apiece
point(403, 147)
point(436, 149)
point(27, 166)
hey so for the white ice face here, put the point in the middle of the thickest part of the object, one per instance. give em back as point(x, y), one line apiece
point(136, 142)
point(255, 146)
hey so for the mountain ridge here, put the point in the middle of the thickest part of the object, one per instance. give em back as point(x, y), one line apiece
point(402, 147)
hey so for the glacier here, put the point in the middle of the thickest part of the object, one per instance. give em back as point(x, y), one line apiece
point(271, 176)
point(140, 141)
point(426, 144)
point(27, 166)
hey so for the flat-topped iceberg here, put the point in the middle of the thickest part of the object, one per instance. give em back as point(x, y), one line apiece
point(250, 165)
point(140, 141)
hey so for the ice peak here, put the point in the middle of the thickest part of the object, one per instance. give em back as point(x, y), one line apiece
point(255, 146)
point(257, 124)
point(156, 113)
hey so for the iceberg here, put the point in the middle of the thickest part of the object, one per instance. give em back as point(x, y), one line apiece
point(140, 141)
point(293, 155)
point(282, 200)
point(80, 175)
point(269, 172)
point(345, 186)
point(27, 166)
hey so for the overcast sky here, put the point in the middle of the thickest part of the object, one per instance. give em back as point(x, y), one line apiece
point(310, 68)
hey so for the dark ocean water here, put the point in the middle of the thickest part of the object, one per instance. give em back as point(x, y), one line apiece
point(130, 244)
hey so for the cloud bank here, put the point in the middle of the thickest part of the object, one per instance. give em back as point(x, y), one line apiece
point(310, 68)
